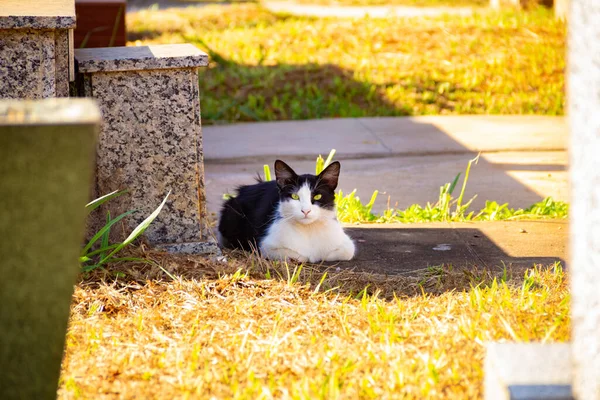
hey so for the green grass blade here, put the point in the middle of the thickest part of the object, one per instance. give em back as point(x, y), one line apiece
point(105, 237)
point(140, 229)
point(454, 182)
point(329, 158)
point(145, 223)
point(372, 201)
point(319, 165)
point(101, 200)
point(88, 268)
point(104, 232)
point(267, 171)
point(465, 180)
point(102, 250)
point(320, 283)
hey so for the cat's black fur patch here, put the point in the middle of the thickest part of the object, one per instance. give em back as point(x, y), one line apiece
point(246, 217)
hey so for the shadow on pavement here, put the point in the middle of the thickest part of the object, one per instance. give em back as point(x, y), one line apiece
point(405, 249)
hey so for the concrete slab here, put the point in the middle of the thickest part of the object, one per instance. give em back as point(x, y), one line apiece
point(376, 137)
point(518, 178)
point(290, 7)
point(289, 139)
point(310, 10)
point(450, 134)
point(403, 248)
point(137, 5)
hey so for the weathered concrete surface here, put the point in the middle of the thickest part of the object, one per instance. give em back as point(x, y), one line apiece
point(311, 10)
point(376, 137)
point(291, 7)
point(137, 5)
point(402, 248)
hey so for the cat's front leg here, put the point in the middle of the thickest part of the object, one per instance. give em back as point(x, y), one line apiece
point(343, 253)
point(283, 254)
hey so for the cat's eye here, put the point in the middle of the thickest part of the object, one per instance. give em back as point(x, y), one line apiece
point(317, 197)
point(295, 196)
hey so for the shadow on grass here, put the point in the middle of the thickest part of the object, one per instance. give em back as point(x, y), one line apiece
point(390, 262)
point(289, 92)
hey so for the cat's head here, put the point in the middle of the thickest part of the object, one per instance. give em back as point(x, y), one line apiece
point(307, 198)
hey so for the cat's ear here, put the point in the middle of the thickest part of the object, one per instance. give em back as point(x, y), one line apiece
point(284, 174)
point(329, 176)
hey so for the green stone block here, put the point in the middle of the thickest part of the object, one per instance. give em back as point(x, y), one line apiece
point(47, 151)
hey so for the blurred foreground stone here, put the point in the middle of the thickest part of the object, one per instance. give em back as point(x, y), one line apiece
point(46, 165)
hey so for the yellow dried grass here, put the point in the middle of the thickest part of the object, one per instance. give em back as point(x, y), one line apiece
point(224, 331)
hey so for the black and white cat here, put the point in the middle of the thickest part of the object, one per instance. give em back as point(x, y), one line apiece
point(292, 217)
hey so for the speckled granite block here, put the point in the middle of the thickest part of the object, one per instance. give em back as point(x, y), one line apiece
point(61, 62)
point(27, 64)
point(37, 14)
point(151, 139)
point(140, 58)
point(206, 247)
point(34, 48)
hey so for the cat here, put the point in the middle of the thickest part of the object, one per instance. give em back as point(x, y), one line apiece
point(292, 217)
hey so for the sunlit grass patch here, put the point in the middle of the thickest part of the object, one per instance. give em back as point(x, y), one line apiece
point(229, 332)
point(276, 67)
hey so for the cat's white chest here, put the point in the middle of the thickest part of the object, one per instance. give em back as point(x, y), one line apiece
point(324, 241)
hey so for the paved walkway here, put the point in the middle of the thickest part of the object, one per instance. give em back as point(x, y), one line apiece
point(313, 10)
point(309, 10)
point(397, 249)
point(406, 158)
point(523, 160)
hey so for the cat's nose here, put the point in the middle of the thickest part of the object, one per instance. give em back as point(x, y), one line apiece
point(305, 212)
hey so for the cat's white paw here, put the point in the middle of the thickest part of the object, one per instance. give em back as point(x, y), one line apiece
point(342, 253)
point(300, 258)
point(314, 260)
point(283, 254)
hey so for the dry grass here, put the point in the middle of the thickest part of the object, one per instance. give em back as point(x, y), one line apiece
point(226, 331)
